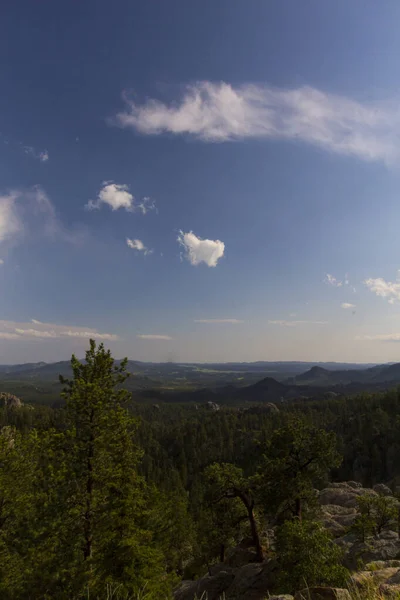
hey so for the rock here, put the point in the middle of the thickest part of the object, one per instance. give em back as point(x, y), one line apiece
point(342, 495)
point(212, 406)
point(210, 586)
point(9, 400)
point(379, 576)
point(389, 591)
point(323, 593)
point(271, 407)
point(382, 489)
point(385, 547)
point(253, 581)
point(238, 556)
point(354, 484)
point(281, 597)
point(382, 564)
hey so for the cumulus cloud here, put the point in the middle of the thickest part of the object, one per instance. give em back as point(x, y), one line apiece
point(347, 305)
point(37, 330)
point(284, 323)
point(151, 336)
point(230, 321)
point(220, 112)
point(114, 195)
point(118, 195)
point(198, 250)
point(139, 246)
point(385, 289)
point(331, 280)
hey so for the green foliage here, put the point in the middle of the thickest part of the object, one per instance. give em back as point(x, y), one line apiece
point(375, 514)
point(221, 521)
point(308, 557)
point(225, 481)
point(297, 458)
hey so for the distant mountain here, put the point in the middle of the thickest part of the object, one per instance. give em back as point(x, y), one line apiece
point(19, 368)
point(38, 371)
point(324, 377)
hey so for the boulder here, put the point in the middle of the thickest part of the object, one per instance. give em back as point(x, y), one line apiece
point(323, 593)
point(239, 556)
point(382, 489)
point(9, 400)
point(344, 496)
point(385, 547)
point(253, 581)
point(271, 407)
point(382, 564)
point(210, 586)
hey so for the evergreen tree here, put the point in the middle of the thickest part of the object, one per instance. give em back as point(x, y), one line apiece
point(307, 556)
point(225, 481)
point(297, 457)
point(107, 509)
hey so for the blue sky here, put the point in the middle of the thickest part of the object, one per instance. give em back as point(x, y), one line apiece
point(200, 181)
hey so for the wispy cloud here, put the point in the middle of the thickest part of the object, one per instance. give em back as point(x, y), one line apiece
point(385, 289)
point(380, 337)
point(347, 305)
point(1, 261)
point(211, 321)
point(25, 213)
point(284, 323)
point(198, 250)
point(139, 246)
point(118, 195)
point(146, 205)
point(43, 155)
point(220, 112)
point(11, 330)
point(151, 336)
point(331, 280)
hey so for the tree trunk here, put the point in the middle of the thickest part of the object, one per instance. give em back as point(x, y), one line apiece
point(87, 527)
point(253, 526)
point(298, 508)
point(222, 553)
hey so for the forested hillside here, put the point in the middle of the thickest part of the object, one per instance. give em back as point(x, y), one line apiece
point(105, 495)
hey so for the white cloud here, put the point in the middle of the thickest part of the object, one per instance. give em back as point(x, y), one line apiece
point(230, 321)
point(118, 195)
point(1, 261)
point(139, 246)
point(37, 330)
point(43, 155)
point(218, 112)
point(148, 336)
point(331, 280)
point(284, 323)
point(380, 337)
point(385, 289)
point(25, 213)
point(10, 223)
point(197, 250)
point(146, 205)
point(347, 305)
point(114, 195)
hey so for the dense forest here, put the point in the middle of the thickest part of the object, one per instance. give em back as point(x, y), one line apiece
point(104, 497)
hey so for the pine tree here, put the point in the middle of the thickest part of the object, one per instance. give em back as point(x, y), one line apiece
point(107, 504)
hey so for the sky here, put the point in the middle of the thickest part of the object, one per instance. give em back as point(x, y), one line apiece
point(212, 180)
